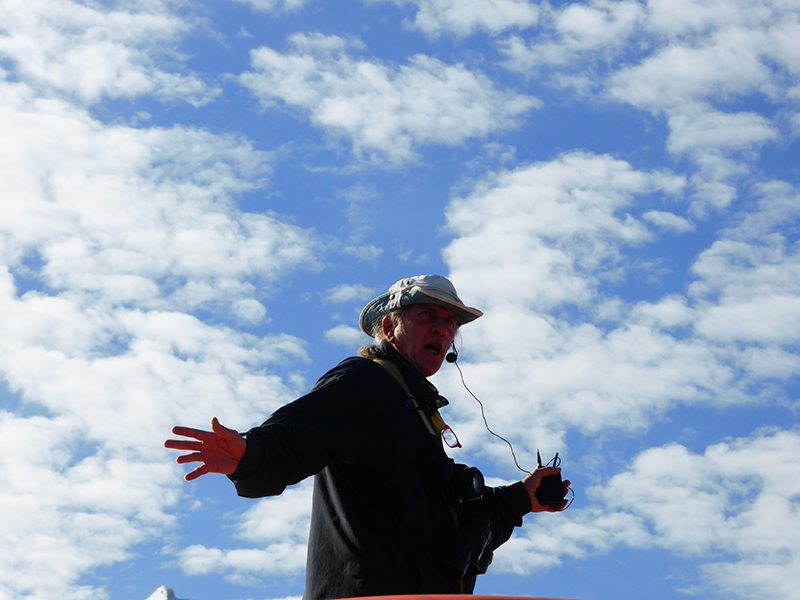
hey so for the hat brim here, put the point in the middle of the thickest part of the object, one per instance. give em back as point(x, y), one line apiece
point(386, 303)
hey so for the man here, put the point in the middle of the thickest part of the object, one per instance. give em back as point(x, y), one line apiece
point(392, 513)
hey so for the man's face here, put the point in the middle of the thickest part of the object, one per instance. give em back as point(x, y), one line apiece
point(423, 335)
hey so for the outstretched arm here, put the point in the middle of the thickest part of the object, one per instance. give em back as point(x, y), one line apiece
point(219, 450)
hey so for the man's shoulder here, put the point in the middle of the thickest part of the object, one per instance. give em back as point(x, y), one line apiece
point(356, 364)
point(353, 369)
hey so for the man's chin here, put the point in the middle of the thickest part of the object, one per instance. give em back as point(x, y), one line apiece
point(430, 367)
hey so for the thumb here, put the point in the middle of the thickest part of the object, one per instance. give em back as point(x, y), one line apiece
point(218, 427)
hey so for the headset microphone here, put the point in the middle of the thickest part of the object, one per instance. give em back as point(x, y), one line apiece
point(452, 356)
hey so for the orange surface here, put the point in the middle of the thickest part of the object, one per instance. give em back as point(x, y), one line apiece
point(449, 597)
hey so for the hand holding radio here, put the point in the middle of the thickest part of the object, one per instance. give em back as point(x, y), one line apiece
point(545, 487)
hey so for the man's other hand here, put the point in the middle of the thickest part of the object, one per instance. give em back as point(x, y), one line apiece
point(219, 450)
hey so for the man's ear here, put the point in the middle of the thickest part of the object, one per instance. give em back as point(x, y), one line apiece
point(387, 325)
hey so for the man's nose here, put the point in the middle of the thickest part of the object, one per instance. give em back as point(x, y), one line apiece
point(442, 325)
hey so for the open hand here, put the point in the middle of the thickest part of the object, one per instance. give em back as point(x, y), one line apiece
point(219, 450)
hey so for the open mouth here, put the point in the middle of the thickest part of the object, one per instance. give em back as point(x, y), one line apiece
point(434, 349)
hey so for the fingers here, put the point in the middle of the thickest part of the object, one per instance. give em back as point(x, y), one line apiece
point(183, 445)
point(219, 450)
point(199, 471)
point(546, 471)
point(187, 458)
point(197, 434)
point(550, 508)
point(566, 484)
point(218, 427)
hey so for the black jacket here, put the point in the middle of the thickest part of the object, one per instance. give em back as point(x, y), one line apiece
point(384, 516)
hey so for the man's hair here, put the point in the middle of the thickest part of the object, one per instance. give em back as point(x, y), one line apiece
point(374, 350)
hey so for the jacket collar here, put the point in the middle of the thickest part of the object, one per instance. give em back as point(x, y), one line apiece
point(424, 391)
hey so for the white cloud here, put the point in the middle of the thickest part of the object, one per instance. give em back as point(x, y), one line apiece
point(110, 236)
point(274, 5)
point(348, 292)
point(599, 27)
point(531, 248)
point(769, 318)
point(246, 566)
point(278, 527)
point(732, 508)
point(387, 112)
point(685, 17)
point(685, 74)
point(119, 212)
point(538, 234)
point(91, 54)
point(98, 482)
point(249, 311)
point(532, 241)
point(753, 258)
point(750, 277)
point(282, 518)
point(463, 18)
point(711, 56)
point(693, 62)
point(668, 313)
point(711, 131)
point(70, 514)
point(598, 23)
point(344, 335)
point(668, 220)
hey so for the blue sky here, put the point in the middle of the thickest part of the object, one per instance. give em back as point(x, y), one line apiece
point(198, 199)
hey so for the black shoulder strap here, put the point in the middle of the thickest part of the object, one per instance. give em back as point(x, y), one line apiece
point(392, 369)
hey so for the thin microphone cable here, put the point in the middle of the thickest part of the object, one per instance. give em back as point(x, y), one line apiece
point(485, 422)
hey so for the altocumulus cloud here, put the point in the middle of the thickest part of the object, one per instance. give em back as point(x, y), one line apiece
point(619, 365)
point(461, 19)
point(733, 506)
point(110, 237)
point(276, 526)
point(89, 54)
point(698, 59)
point(385, 111)
point(592, 358)
point(617, 287)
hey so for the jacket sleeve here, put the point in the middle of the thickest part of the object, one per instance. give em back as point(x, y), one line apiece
point(484, 525)
point(325, 426)
point(503, 509)
point(508, 505)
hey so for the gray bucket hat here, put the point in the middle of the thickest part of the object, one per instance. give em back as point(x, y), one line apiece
point(421, 289)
